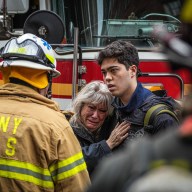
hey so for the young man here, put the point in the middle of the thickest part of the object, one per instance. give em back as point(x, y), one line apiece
point(119, 63)
point(39, 151)
point(161, 163)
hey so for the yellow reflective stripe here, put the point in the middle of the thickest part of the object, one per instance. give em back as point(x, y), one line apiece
point(52, 59)
point(157, 163)
point(186, 15)
point(26, 172)
point(68, 167)
point(18, 50)
point(24, 165)
point(175, 162)
point(67, 161)
point(70, 173)
point(28, 178)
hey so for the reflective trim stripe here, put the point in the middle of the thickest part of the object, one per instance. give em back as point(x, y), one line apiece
point(68, 167)
point(26, 172)
point(175, 162)
point(51, 58)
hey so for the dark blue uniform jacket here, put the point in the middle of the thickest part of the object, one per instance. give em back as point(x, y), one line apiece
point(134, 112)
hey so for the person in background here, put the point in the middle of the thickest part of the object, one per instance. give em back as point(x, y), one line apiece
point(91, 108)
point(39, 151)
point(150, 164)
point(119, 64)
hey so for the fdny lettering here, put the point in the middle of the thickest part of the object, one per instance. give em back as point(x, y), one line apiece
point(16, 124)
point(4, 122)
point(4, 127)
point(10, 151)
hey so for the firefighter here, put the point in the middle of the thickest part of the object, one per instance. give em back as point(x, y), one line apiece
point(39, 151)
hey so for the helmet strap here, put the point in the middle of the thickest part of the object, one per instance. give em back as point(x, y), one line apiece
point(49, 91)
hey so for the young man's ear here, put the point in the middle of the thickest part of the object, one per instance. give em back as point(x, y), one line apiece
point(133, 69)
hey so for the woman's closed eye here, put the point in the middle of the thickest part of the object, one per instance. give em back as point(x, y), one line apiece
point(91, 107)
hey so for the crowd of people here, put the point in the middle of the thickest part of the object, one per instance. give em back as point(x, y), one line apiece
point(106, 144)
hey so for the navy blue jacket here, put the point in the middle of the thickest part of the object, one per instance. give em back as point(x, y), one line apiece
point(94, 146)
point(135, 111)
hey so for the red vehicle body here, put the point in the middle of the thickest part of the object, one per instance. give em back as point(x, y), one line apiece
point(91, 25)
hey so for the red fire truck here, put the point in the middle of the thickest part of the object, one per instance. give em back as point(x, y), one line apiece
point(78, 29)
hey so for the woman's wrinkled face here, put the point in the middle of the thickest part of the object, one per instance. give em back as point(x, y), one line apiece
point(93, 116)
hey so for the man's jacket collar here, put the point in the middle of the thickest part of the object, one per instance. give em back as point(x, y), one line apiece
point(137, 99)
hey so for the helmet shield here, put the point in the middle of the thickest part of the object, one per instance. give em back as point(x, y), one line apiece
point(35, 52)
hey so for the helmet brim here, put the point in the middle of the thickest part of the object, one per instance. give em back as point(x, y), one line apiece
point(28, 64)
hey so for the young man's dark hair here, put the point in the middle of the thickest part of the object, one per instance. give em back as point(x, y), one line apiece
point(119, 63)
point(124, 52)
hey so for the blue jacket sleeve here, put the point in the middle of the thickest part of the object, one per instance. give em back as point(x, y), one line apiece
point(165, 121)
point(94, 152)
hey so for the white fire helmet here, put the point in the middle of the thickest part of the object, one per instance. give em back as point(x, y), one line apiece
point(29, 51)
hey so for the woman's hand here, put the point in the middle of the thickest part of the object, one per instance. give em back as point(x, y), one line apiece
point(118, 135)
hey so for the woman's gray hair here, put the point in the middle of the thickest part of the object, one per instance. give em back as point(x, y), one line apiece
point(95, 92)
